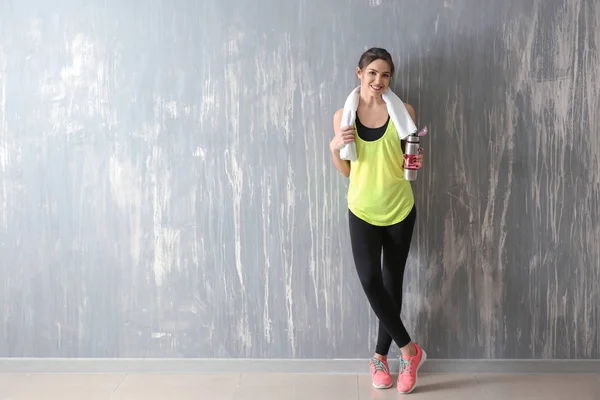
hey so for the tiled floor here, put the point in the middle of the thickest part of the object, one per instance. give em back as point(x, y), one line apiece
point(293, 387)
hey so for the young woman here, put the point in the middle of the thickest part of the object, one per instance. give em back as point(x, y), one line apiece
point(381, 214)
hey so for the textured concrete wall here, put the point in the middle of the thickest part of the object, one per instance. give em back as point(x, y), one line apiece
point(166, 188)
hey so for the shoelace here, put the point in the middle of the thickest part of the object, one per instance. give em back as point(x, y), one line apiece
point(378, 365)
point(404, 365)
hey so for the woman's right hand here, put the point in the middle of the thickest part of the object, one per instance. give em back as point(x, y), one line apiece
point(342, 137)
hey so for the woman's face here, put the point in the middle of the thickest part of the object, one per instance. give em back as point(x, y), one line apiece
point(375, 77)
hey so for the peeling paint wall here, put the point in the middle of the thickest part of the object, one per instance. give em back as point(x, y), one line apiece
point(166, 188)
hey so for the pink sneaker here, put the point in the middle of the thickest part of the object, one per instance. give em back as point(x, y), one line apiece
point(380, 373)
point(407, 379)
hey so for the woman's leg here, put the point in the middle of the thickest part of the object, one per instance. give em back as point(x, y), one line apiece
point(367, 243)
point(396, 245)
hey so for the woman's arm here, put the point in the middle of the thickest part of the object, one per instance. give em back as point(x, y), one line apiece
point(411, 112)
point(342, 136)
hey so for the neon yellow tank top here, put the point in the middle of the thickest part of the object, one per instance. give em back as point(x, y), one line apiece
point(378, 192)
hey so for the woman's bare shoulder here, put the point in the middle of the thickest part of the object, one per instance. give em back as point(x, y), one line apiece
point(411, 111)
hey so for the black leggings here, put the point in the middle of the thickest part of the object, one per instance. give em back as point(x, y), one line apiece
point(383, 286)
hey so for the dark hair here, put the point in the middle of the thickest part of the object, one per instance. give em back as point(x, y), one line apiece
point(375, 53)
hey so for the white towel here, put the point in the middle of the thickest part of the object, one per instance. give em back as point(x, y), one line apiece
point(396, 109)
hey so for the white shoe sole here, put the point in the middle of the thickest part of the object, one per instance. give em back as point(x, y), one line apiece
point(383, 386)
point(417, 377)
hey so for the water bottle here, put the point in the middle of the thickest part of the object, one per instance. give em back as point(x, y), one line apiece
point(411, 152)
point(410, 157)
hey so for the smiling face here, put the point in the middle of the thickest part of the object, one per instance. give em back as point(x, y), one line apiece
point(375, 77)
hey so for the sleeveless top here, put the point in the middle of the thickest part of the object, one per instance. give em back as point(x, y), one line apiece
point(378, 192)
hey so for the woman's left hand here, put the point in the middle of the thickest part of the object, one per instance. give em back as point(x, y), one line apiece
point(420, 158)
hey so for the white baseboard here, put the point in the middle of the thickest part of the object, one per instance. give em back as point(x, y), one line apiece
point(301, 366)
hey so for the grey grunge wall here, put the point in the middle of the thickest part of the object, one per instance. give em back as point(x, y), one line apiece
point(166, 188)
